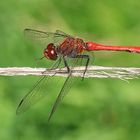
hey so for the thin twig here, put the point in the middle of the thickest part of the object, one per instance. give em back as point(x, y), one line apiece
point(93, 71)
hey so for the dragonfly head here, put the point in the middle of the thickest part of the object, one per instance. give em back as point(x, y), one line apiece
point(50, 52)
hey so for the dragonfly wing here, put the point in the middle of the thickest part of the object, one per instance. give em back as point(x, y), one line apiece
point(66, 87)
point(32, 97)
point(36, 93)
point(37, 33)
point(63, 33)
point(44, 38)
point(61, 95)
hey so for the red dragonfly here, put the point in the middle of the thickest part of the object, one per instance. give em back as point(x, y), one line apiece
point(60, 47)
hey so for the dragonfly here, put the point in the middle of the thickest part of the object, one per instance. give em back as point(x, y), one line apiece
point(59, 47)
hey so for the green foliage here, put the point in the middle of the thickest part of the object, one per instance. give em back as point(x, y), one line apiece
point(100, 109)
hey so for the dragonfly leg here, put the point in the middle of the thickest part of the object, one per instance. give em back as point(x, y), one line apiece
point(55, 66)
point(66, 65)
point(87, 62)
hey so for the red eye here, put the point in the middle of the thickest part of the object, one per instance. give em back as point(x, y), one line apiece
point(50, 52)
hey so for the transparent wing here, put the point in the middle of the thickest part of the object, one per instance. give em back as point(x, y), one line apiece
point(45, 38)
point(36, 93)
point(62, 33)
point(66, 87)
point(32, 97)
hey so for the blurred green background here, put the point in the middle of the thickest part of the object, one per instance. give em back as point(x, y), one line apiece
point(100, 109)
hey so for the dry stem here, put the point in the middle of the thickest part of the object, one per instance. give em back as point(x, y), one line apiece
point(93, 71)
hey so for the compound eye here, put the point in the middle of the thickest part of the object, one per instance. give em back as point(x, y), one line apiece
point(50, 52)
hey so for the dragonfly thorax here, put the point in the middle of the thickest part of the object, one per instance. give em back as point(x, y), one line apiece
point(50, 52)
